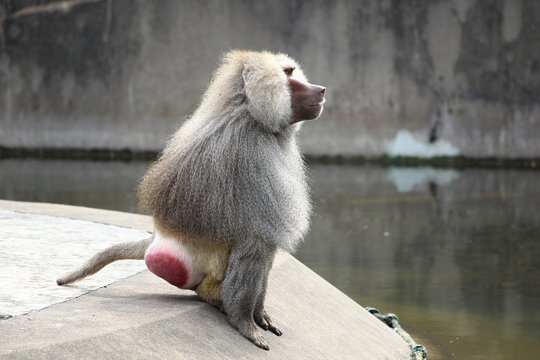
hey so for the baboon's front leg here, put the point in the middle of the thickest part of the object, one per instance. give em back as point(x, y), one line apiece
point(260, 315)
point(243, 286)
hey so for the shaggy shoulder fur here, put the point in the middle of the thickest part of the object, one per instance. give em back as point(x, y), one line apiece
point(233, 172)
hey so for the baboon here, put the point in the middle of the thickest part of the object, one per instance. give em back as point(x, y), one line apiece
point(229, 189)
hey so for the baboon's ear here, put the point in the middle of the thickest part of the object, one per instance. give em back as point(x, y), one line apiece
point(245, 73)
point(267, 92)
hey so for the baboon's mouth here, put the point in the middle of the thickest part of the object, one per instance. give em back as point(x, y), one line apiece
point(319, 104)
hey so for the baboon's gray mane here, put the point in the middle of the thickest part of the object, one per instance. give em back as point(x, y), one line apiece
point(227, 176)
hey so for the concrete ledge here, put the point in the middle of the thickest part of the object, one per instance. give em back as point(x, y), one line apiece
point(143, 317)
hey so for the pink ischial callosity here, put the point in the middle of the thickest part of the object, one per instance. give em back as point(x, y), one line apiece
point(169, 260)
point(168, 267)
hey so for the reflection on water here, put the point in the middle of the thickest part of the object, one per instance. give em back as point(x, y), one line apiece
point(456, 254)
point(100, 184)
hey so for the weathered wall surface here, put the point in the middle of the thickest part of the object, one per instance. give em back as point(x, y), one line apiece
point(404, 78)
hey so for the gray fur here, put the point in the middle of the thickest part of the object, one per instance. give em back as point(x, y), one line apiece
point(244, 289)
point(233, 174)
point(227, 176)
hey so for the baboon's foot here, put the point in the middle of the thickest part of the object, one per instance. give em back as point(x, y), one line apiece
point(263, 320)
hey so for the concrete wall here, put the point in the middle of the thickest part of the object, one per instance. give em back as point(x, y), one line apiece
point(414, 78)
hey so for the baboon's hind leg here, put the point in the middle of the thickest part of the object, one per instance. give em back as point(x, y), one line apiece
point(210, 291)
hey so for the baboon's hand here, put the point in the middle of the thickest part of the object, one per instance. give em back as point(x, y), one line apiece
point(253, 334)
point(263, 320)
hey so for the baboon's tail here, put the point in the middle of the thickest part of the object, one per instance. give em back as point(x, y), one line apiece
point(132, 250)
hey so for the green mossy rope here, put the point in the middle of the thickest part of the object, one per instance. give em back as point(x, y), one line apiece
point(418, 352)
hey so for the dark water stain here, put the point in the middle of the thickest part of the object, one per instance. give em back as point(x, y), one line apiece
point(455, 253)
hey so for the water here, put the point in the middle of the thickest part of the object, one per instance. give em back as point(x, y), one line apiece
point(455, 254)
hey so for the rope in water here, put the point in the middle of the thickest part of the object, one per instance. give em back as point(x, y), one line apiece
point(418, 352)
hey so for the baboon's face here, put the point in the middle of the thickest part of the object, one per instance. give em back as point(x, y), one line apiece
point(306, 99)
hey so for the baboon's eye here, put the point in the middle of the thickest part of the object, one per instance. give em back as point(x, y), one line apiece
point(288, 69)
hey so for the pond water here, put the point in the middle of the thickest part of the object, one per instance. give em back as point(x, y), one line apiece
point(455, 254)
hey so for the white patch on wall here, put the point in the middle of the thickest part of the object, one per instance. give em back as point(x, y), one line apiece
point(406, 179)
point(405, 144)
point(512, 19)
